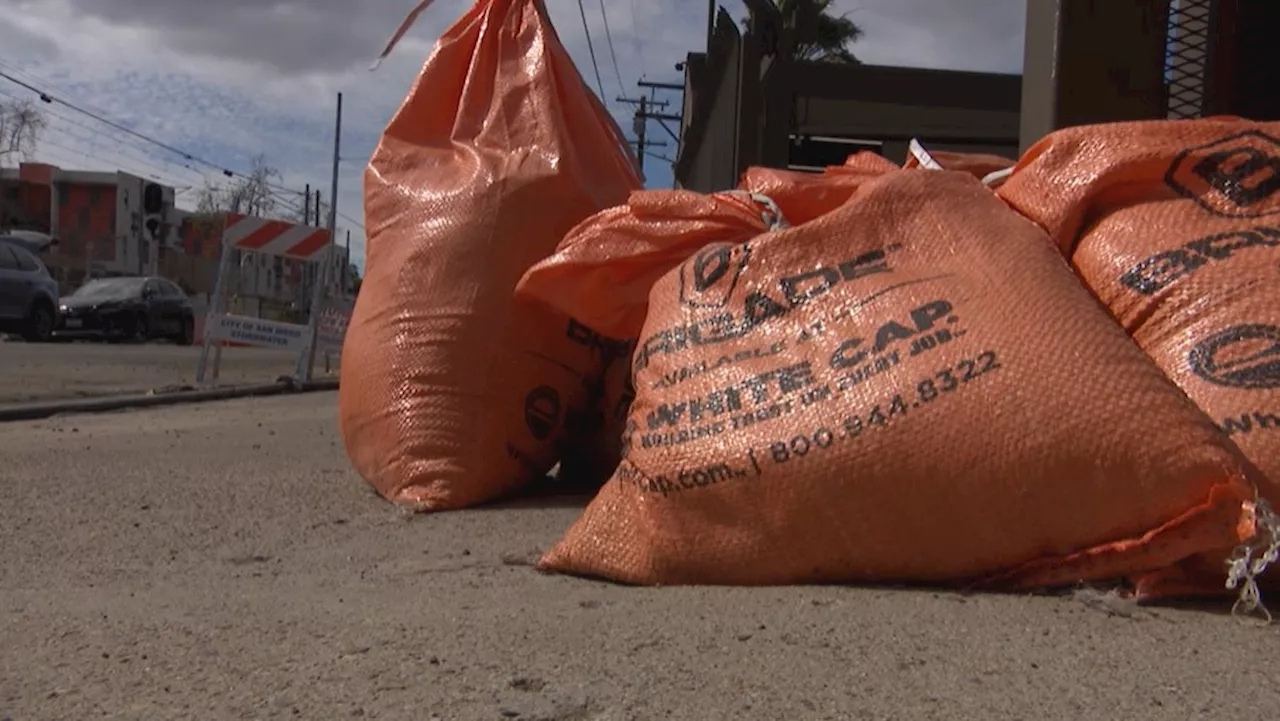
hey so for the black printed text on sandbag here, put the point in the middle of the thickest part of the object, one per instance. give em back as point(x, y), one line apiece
point(1247, 423)
point(846, 426)
point(1235, 176)
point(768, 388)
point(777, 393)
point(1164, 269)
point(854, 351)
point(758, 307)
point(609, 348)
point(542, 411)
point(1244, 356)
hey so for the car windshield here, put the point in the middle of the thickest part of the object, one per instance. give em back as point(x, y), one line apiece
point(110, 289)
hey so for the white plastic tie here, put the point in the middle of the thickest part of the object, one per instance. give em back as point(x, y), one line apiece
point(922, 156)
point(1249, 560)
point(772, 215)
point(996, 176)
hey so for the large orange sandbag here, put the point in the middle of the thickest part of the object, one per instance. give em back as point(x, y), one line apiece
point(605, 266)
point(801, 197)
point(912, 387)
point(452, 393)
point(1175, 226)
point(607, 284)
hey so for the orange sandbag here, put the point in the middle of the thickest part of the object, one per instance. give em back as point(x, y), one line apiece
point(452, 393)
point(604, 268)
point(911, 387)
point(607, 287)
point(1175, 226)
point(804, 196)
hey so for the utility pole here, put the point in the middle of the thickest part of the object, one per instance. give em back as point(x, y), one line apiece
point(711, 23)
point(662, 118)
point(642, 117)
point(641, 123)
point(307, 360)
point(346, 263)
point(306, 205)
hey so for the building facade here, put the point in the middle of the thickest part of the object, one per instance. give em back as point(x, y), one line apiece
point(115, 223)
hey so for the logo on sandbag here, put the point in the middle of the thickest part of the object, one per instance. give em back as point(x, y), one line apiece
point(761, 305)
point(542, 411)
point(1168, 267)
point(708, 278)
point(1236, 176)
point(1246, 356)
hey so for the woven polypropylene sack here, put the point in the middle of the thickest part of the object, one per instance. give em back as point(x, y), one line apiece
point(601, 275)
point(603, 270)
point(1175, 226)
point(452, 392)
point(805, 196)
point(912, 387)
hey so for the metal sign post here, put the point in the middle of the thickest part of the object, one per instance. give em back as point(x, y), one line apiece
point(308, 359)
point(215, 309)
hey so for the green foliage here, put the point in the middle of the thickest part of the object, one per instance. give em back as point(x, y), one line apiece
point(829, 35)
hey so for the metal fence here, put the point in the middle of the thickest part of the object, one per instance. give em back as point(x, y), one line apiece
point(1187, 58)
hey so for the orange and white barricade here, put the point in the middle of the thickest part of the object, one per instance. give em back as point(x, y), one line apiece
point(247, 233)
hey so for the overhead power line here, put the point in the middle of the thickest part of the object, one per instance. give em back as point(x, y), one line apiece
point(591, 49)
point(119, 148)
point(635, 38)
point(51, 99)
point(46, 97)
point(608, 36)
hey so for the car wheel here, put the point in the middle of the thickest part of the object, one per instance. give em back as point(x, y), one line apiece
point(39, 324)
point(141, 329)
point(187, 336)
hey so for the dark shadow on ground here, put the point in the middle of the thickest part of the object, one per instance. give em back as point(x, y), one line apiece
point(549, 492)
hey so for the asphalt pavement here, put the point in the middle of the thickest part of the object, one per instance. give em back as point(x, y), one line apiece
point(57, 371)
point(221, 560)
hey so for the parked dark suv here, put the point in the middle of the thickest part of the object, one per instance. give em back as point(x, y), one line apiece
point(128, 308)
point(28, 294)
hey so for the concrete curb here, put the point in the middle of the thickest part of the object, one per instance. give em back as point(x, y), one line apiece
point(40, 410)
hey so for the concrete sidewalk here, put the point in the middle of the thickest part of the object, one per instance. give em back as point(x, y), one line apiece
point(223, 561)
point(38, 372)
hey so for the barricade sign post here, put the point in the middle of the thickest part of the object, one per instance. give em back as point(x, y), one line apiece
point(335, 315)
point(246, 233)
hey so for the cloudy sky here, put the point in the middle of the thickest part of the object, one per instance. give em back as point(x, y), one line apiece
point(226, 80)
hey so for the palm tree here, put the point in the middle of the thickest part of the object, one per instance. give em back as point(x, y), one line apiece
point(829, 35)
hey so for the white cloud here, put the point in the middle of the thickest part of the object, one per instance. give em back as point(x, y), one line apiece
point(225, 80)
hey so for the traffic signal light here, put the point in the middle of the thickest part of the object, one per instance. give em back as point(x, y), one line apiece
point(153, 211)
point(152, 199)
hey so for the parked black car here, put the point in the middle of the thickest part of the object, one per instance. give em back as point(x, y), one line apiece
point(128, 308)
point(28, 294)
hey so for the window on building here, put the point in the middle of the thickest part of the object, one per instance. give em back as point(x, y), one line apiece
point(64, 195)
point(82, 217)
point(95, 196)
